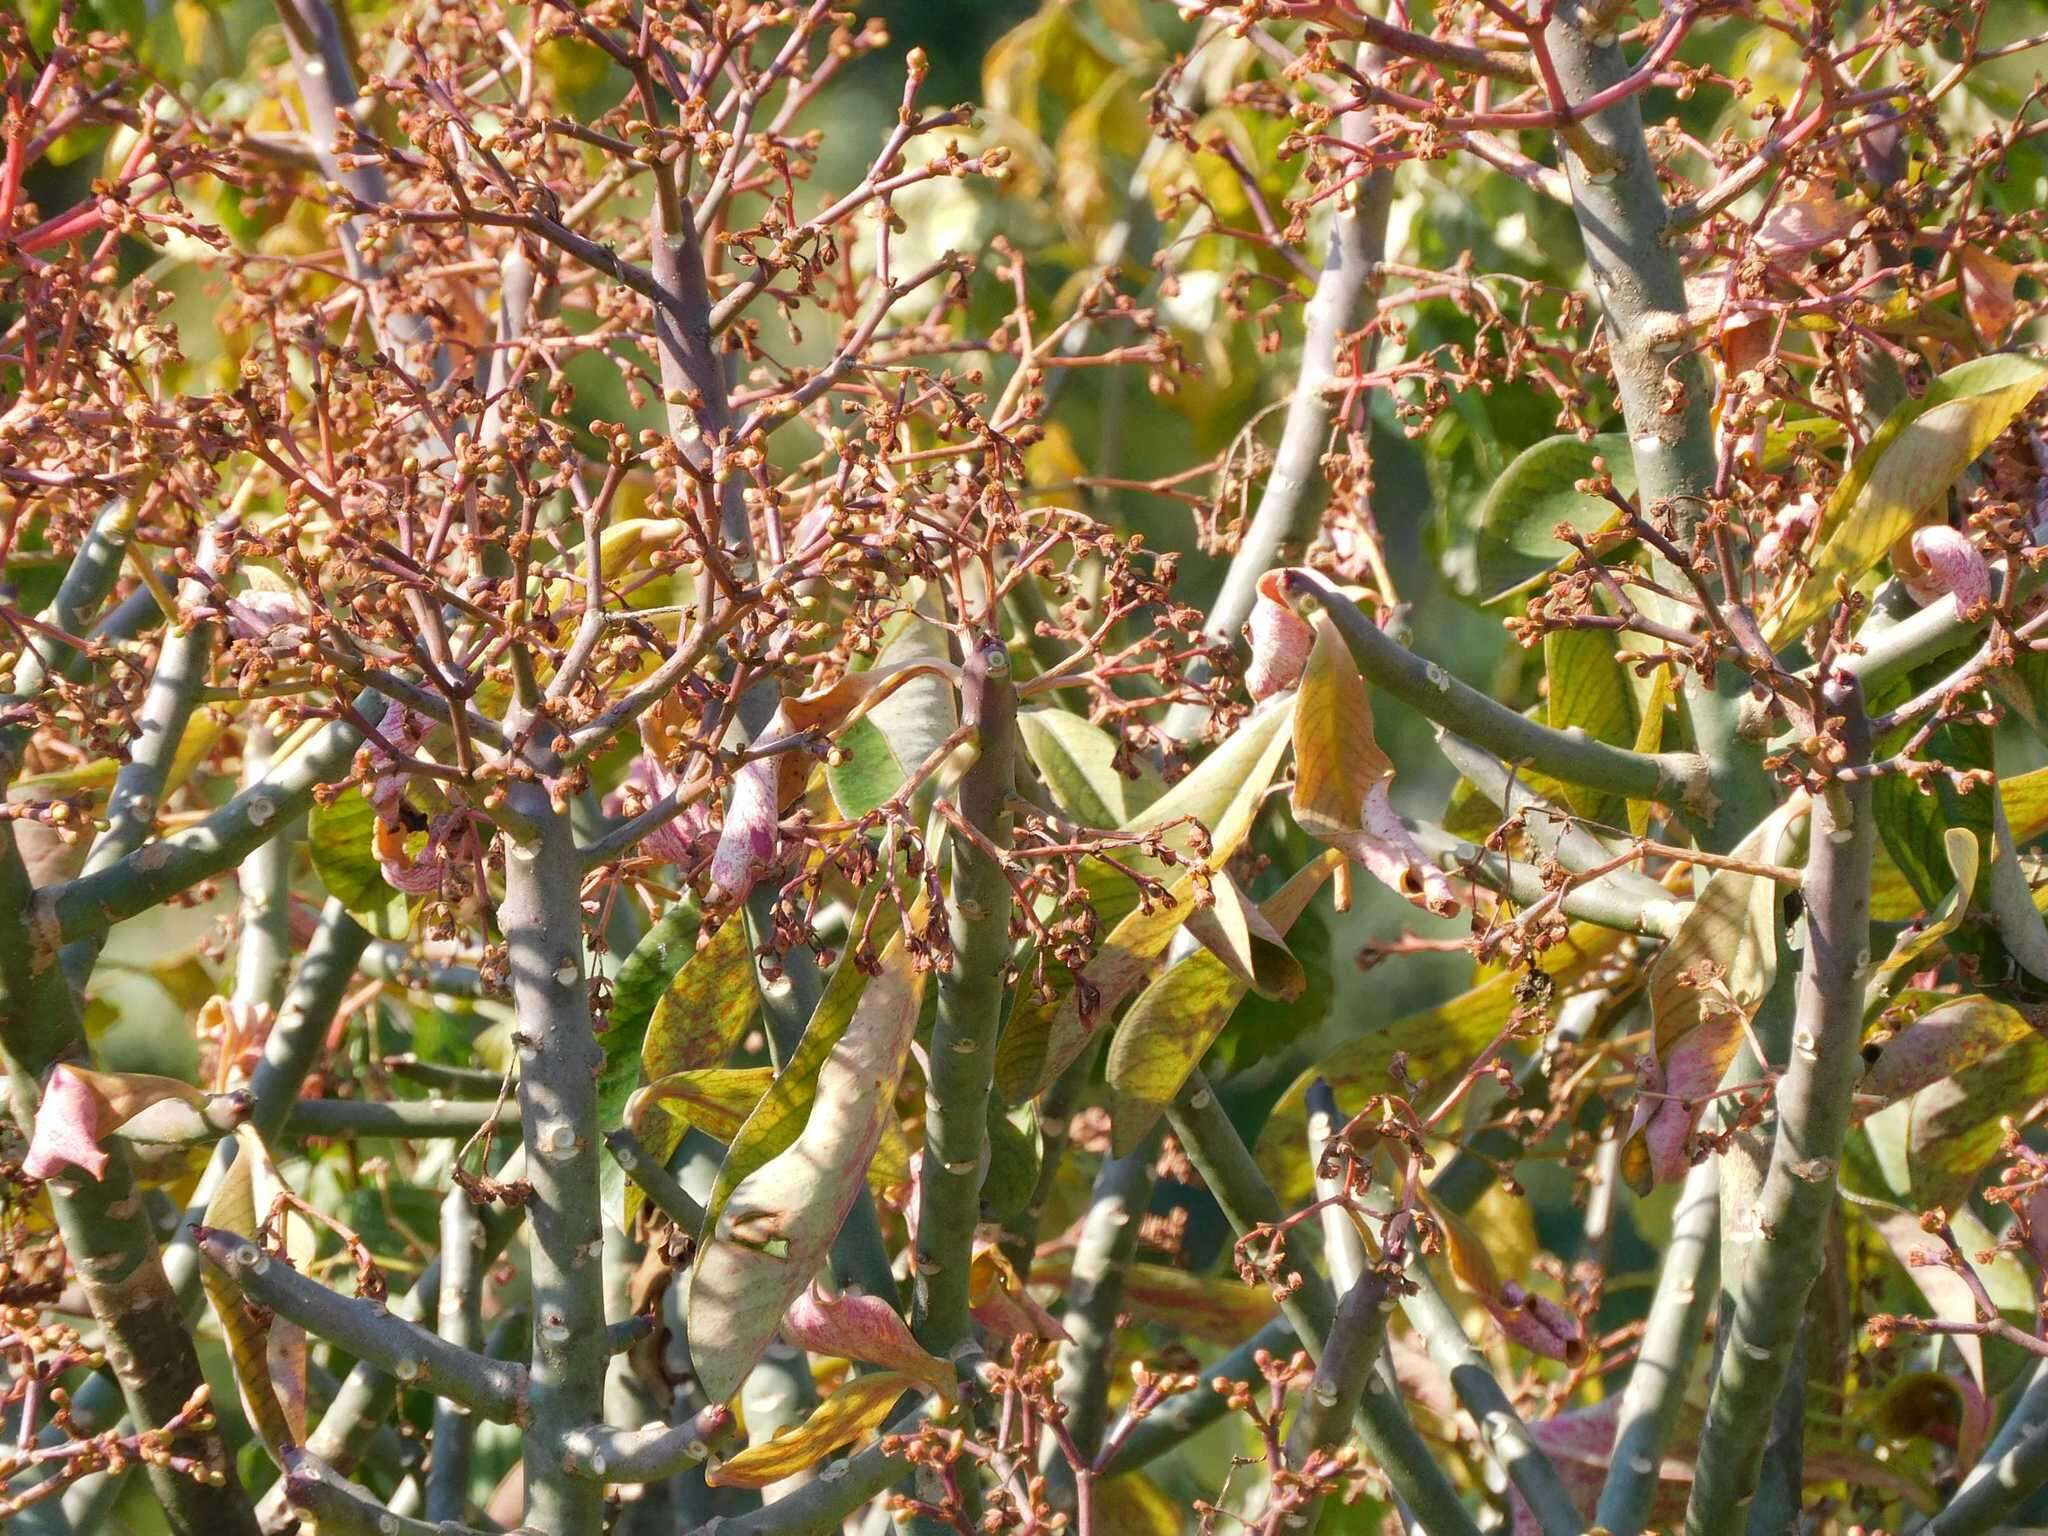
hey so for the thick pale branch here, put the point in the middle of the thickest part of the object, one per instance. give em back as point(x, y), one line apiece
point(370, 1331)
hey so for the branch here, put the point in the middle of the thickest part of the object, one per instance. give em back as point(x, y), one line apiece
point(397, 1117)
point(497, 1389)
point(1677, 778)
point(659, 1185)
point(2013, 1466)
point(969, 1011)
point(648, 1454)
point(1602, 902)
point(1813, 1098)
point(459, 1321)
point(1225, 1164)
point(157, 871)
point(1287, 515)
point(1687, 1286)
point(1622, 219)
point(341, 1508)
point(559, 1060)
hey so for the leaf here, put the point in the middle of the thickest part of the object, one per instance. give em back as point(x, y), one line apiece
point(1041, 1040)
point(1914, 825)
point(341, 838)
point(663, 951)
point(243, 1199)
point(1923, 446)
point(1963, 853)
point(714, 1100)
point(870, 773)
point(1516, 543)
point(1174, 1022)
point(1438, 1040)
point(80, 1108)
point(1537, 1323)
point(1951, 1035)
point(1342, 779)
point(1987, 293)
point(1650, 738)
point(772, 1231)
point(1704, 987)
point(1954, 1128)
point(865, 1328)
point(860, 1406)
point(1589, 691)
point(1015, 1155)
point(1077, 761)
point(779, 1118)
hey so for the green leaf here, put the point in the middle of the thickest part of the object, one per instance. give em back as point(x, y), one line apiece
point(1949, 1035)
point(1517, 543)
point(1014, 1158)
point(870, 774)
point(1077, 761)
point(1919, 452)
point(344, 857)
point(1589, 691)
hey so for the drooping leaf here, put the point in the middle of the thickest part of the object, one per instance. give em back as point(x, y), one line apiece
point(767, 1238)
point(1589, 691)
point(1954, 1128)
point(780, 1117)
point(1040, 1039)
point(1517, 543)
point(867, 1329)
point(859, 1406)
point(1704, 986)
point(714, 1100)
point(272, 1396)
point(1923, 446)
point(1342, 779)
point(1175, 1020)
point(80, 1108)
point(1077, 762)
point(705, 1010)
point(1534, 1321)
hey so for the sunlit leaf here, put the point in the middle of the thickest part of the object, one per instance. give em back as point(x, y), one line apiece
point(768, 1237)
point(341, 838)
point(1949, 1035)
point(867, 1329)
point(1178, 1017)
point(1913, 458)
point(1077, 762)
point(272, 1397)
point(1705, 986)
point(860, 1406)
point(1589, 691)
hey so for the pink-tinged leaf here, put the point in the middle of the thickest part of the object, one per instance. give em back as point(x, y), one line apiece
point(1786, 538)
point(647, 781)
point(80, 1108)
point(450, 844)
point(1704, 987)
point(1538, 1324)
point(277, 620)
point(1949, 563)
point(1280, 640)
point(1956, 1034)
point(1805, 221)
point(864, 1328)
point(68, 1128)
point(746, 844)
point(774, 1228)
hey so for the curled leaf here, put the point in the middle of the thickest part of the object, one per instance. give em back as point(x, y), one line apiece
point(1342, 779)
point(747, 842)
point(864, 1328)
point(1280, 641)
point(1948, 562)
point(999, 1302)
point(80, 1108)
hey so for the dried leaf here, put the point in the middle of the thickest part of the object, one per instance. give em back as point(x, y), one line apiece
point(1988, 293)
point(80, 1108)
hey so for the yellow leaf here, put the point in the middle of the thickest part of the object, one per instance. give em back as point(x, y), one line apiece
point(849, 1414)
point(239, 1204)
point(1914, 457)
